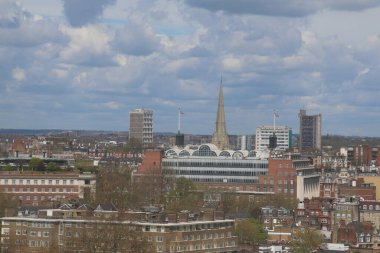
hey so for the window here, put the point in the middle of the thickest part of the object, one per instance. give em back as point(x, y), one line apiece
point(28, 181)
point(43, 181)
point(57, 181)
point(35, 181)
point(50, 181)
point(64, 181)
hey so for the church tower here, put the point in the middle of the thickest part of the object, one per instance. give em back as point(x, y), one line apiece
point(220, 137)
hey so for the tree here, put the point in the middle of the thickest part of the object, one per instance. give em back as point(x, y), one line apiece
point(36, 164)
point(183, 196)
point(250, 231)
point(114, 186)
point(306, 240)
point(52, 167)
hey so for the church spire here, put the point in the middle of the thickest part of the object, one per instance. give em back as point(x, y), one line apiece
point(220, 137)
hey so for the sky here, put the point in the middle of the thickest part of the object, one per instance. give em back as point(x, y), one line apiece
point(70, 64)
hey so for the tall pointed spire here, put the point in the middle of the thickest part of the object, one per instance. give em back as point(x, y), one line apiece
point(220, 137)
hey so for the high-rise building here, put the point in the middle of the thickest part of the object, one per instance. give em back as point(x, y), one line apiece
point(244, 142)
point(141, 126)
point(220, 137)
point(310, 131)
point(282, 133)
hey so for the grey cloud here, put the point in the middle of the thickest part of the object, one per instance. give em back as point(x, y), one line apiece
point(11, 14)
point(82, 12)
point(291, 8)
point(136, 39)
point(32, 33)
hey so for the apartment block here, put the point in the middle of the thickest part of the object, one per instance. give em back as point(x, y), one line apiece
point(84, 229)
point(40, 189)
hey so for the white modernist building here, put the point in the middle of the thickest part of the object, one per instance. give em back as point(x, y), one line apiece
point(208, 164)
point(283, 134)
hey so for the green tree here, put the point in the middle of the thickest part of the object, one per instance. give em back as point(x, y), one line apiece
point(306, 240)
point(250, 231)
point(52, 167)
point(36, 164)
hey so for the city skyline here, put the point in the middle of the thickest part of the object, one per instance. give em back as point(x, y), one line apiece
point(61, 69)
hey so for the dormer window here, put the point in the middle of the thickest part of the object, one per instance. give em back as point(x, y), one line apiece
point(361, 237)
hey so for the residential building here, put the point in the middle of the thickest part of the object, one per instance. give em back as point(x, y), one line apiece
point(141, 126)
point(45, 189)
point(358, 188)
point(372, 178)
point(315, 212)
point(310, 131)
point(360, 155)
point(291, 175)
point(84, 229)
point(282, 133)
point(345, 211)
point(369, 210)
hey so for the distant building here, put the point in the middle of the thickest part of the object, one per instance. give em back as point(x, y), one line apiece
point(141, 126)
point(283, 134)
point(244, 142)
point(360, 155)
point(310, 131)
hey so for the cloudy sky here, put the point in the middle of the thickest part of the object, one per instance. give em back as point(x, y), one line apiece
point(83, 64)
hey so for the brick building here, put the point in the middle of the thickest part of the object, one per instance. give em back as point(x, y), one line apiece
point(45, 189)
point(81, 230)
point(148, 180)
point(291, 175)
point(358, 188)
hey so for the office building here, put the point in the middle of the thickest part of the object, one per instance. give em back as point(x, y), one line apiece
point(208, 167)
point(283, 134)
point(220, 137)
point(141, 126)
point(310, 131)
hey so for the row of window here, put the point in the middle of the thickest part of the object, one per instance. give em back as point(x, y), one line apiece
point(37, 181)
point(370, 207)
point(224, 180)
point(215, 164)
point(220, 172)
point(32, 233)
point(13, 189)
point(203, 246)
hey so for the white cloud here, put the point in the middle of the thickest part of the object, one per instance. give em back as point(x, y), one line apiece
point(18, 74)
